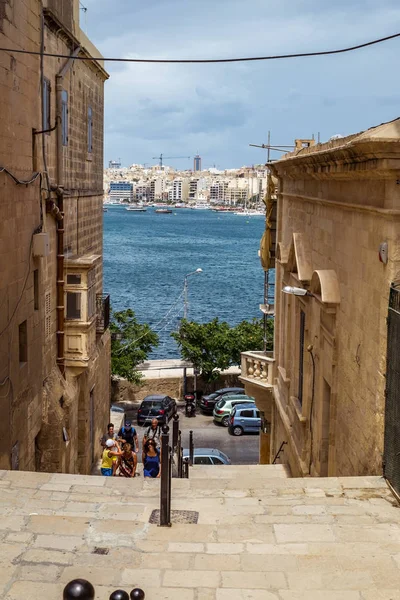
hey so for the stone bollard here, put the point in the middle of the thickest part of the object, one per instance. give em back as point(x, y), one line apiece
point(80, 589)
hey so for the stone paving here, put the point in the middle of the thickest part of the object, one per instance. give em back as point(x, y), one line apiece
point(260, 536)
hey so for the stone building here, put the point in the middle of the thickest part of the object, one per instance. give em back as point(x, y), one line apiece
point(334, 378)
point(54, 338)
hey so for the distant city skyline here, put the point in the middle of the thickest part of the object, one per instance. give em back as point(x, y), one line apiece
point(218, 110)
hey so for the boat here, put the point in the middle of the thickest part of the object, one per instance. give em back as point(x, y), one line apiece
point(180, 205)
point(136, 208)
point(164, 211)
point(250, 213)
point(105, 209)
point(201, 205)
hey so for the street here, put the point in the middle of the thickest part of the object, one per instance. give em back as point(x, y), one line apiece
point(243, 450)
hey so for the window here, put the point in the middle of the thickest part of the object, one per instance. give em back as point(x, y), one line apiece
point(301, 355)
point(64, 117)
point(91, 278)
point(46, 104)
point(73, 305)
point(90, 130)
point(36, 289)
point(74, 279)
point(217, 461)
point(247, 413)
point(202, 460)
point(23, 342)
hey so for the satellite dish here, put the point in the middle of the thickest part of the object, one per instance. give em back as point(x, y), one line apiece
point(337, 136)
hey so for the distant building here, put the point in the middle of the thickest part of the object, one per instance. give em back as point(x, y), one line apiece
point(114, 164)
point(121, 190)
point(197, 163)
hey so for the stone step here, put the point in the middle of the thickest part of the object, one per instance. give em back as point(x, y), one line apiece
point(259, 535)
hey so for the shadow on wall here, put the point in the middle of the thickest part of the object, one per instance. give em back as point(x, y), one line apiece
point(124, 392)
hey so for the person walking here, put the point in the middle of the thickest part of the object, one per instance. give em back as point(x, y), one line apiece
point(127, 462)
point(153, 432)
point(109, 459)
point(110, 435)
point(151, 459)
point(127, 435)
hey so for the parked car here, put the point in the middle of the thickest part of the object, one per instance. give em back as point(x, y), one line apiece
point(244, 418)
point(207, 403)
point(207, 456)
point(157, 407)
point(224, 406)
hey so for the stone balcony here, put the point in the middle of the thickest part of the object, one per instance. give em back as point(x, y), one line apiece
point(257, 369)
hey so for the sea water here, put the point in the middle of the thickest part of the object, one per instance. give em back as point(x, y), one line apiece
point(147, 255)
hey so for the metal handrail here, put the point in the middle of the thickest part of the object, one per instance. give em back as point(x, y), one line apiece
point(278, 453)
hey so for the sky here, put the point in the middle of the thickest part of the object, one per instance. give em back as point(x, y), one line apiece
point(218, 110)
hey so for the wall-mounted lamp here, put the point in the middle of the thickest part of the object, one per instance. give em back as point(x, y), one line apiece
point(295, 291)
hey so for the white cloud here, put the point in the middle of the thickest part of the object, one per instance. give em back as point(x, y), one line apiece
point(218, 109)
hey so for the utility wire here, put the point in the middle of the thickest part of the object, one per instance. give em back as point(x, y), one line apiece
point(20, 181)
point(208, 60)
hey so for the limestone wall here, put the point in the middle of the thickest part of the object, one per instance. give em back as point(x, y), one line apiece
point(338, 428)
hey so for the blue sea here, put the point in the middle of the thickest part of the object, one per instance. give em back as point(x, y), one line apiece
point(147, 255)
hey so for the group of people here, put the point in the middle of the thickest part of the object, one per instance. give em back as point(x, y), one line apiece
point(120, 451)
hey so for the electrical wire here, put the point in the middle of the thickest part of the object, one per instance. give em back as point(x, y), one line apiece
point(121, 350)
point(209, 60)
point(20, 181)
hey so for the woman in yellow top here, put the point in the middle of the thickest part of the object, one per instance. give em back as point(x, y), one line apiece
point(108, 459)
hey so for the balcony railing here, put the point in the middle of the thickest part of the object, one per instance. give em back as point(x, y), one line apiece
point(103, 312)
point(257, 367)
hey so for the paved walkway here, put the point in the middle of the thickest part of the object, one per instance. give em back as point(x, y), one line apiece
point(260, 536)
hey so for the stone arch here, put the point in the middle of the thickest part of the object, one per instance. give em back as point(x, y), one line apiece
point(325, 283)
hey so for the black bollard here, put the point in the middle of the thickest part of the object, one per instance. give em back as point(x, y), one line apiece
point(175, 429)
point(191, 448)
point(79, 589)
point(119, 595)
point(137, 594)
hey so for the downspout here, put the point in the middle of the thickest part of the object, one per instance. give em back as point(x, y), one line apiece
point(60, 221)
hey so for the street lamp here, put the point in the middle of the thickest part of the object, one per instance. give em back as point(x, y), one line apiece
point(296, 291)
point(185, 315)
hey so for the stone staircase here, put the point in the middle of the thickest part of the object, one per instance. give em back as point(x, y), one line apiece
point(260, 535)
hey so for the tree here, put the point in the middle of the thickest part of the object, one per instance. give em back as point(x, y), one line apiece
point(131, 343)
point(213, 347)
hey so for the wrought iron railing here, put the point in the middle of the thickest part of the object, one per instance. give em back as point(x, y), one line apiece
point(103, 312)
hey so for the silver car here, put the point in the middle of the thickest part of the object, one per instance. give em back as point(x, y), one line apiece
point(207, 456)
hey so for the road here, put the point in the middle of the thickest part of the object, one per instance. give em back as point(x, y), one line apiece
point(243, 450)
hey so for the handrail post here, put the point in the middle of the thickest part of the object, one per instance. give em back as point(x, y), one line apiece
point(179, 454)
point(186, 469)
point(165, 506)
point(191, 448)
point(175, 429)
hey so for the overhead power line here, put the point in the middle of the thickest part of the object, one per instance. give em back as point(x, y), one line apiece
point(208, 60)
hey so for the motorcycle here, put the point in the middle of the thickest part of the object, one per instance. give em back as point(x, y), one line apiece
point(190, 405)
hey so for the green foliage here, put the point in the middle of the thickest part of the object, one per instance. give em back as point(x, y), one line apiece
point(213, 347)
point(131, 343)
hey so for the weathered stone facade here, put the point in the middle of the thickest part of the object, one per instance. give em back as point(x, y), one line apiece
point(54, 364)
point(337, 203)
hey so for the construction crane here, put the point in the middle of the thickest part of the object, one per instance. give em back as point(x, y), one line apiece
point(161, 158)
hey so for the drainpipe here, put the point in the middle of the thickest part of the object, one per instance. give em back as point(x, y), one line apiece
point(60, 222)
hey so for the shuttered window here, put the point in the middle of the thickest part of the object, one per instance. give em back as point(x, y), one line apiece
point(64, 117)
point(301, 355)
point(90, 130)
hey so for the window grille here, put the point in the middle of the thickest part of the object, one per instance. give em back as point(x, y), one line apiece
point(47, 315)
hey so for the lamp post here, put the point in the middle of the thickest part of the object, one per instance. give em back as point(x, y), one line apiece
point(185, 315)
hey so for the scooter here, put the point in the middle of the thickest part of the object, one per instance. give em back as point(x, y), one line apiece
point(190, 405)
